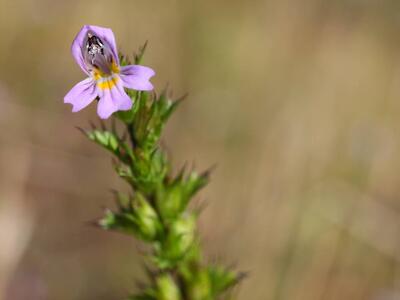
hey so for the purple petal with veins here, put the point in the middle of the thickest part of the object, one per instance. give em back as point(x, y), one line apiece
point(112, 100)
point(82, 94)
point(78, 47)
point(137, 77)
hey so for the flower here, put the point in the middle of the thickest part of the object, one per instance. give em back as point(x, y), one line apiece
point(95, 51)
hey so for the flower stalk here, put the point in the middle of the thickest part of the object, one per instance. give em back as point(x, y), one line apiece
point(157, 209)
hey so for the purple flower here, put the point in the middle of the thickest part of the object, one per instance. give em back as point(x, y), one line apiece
point(95, 51)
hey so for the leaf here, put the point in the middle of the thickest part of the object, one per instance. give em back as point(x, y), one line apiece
point(172, 198)
point(139, 56)
point(221, 279)
point(140, 219)
point(111, 142)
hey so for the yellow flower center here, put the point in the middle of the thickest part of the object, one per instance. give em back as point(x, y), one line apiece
point(106, 81)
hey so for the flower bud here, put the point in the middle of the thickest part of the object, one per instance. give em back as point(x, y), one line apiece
point(146, 218)
point(167, 288)
point(180, 237)
point(199, 286)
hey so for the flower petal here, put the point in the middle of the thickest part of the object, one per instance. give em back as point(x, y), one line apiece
point(112, 100)
point(106, 106)
point(137, 77)
point(81, 95)
point(104, 34)
point(121, 99)
point(76, 48)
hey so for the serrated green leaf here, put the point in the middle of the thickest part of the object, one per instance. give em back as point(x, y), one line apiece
point(140, 220)
point(221, 279)
point(172, 198)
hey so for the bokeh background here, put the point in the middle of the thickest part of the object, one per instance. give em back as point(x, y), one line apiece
point(297, 102)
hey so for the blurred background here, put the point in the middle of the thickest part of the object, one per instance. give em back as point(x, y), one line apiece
point(297, 102)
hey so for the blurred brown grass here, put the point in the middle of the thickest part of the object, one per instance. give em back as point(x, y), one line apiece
point(297, 103)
